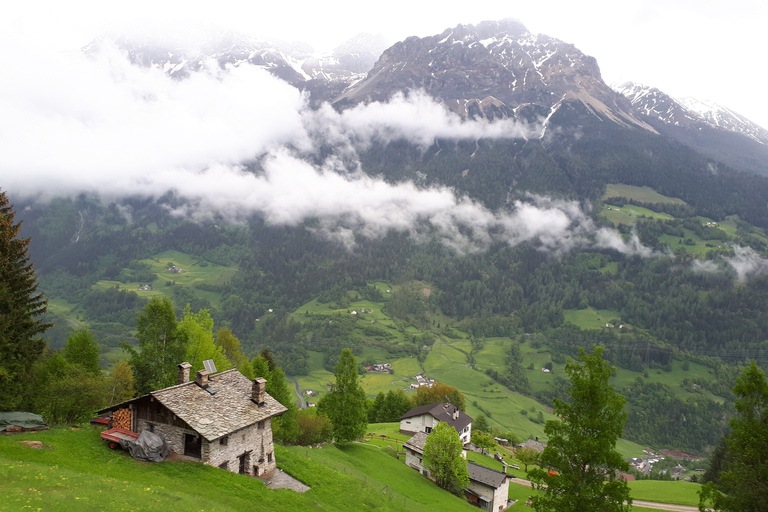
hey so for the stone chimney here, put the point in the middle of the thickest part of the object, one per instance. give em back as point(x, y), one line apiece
point(259, 390)
point(201, 378)
point(456, 414)
point(504, 467)
point(183, 373)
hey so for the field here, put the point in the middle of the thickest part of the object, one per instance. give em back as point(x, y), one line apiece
point(641, 194)
point(196, 272)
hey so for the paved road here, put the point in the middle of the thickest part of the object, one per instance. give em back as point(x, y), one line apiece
point(635, 503)
point(298, 392)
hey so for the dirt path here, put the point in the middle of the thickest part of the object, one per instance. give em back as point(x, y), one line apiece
point(635, 503)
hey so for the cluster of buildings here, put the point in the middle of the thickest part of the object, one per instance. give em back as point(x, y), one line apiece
point(421, 380)
point(488, 488)
point(381, 368)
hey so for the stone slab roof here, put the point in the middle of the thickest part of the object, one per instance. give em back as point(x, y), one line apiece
point(417, 442)
point(485, 475)
point(214, 416)
point(441, 412)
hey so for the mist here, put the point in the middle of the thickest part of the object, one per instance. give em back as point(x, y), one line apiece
point(104, 126)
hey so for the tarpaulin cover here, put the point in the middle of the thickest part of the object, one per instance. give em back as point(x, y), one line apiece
point(148, 447)
point(20, 419)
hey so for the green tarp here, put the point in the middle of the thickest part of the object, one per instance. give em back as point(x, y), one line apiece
point(20, 419)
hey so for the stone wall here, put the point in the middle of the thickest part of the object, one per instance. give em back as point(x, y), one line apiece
point(174, 436)
point(257, 441)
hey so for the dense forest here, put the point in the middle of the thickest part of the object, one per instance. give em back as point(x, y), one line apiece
point(698, 294)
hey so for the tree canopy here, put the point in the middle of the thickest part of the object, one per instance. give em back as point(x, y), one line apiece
point(743, 479)
point(162, 346)
point(442, 457)
point(579, 466)
point(345, 404)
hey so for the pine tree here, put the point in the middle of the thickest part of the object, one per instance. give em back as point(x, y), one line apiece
point(345, 404)
point(20, 304)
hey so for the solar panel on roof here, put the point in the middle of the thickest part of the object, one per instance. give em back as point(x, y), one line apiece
point(209, 365)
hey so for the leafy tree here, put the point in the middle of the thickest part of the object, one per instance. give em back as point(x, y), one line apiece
point(345, 404)
point(580, 462)
point(528, 456)
point(442, 457)
point(376, 407)
point(162, 346)
point(83, 349)
point(314, 427)
point(231, 347)
point(20, 304)
point(198, 330)
point(67, 393)
point(439, 392)
point(483, 440)
point(744, 481)
point(120, 383)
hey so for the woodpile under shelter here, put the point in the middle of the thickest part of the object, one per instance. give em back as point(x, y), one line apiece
point(223, 419)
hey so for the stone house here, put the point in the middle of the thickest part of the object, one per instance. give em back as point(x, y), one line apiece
point(426, 417)
point(488, 488)
point(414, 452)
point(223, 419)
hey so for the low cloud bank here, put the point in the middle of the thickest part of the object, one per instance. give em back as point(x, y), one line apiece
point(71, 124)
point(745, 263)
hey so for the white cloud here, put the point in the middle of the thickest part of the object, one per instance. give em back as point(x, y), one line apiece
point(108, 127)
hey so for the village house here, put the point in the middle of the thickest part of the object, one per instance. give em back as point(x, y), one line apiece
point(426, 417)
point(488, 489)
point(222, 419)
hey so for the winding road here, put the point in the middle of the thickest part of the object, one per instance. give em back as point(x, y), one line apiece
point(298, 392)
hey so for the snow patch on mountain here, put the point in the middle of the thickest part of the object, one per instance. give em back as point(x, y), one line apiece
point(689, 112)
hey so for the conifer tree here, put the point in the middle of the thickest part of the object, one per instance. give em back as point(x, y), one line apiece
point(345, 405)
point(20, 308)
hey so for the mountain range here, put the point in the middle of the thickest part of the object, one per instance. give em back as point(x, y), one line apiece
point(492, 70)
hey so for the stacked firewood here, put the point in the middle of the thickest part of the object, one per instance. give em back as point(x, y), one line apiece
point(121, 418)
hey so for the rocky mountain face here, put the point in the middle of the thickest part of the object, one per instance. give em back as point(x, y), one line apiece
point(689, 112)
point(324, 75)
point(494, 69)
point(711, 128)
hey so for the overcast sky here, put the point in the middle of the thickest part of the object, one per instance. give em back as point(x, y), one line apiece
point(707, 49)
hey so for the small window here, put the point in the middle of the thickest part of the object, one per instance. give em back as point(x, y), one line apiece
point(269, 457)
point(427, 429)
point(224, 465)
point(261, 425)
point(151, 427)
point(223, 441)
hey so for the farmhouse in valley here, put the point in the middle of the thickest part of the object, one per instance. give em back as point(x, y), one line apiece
point(426, 417)
point(223, 419)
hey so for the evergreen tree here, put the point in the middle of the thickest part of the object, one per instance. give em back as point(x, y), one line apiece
point(284, 427)
point(162, 346)
point(744, 480)
point(345, 404)
point(83, 349)
point(580, 463)
point(376, 408)
point(20, 307)
point(442, 457)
